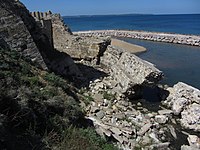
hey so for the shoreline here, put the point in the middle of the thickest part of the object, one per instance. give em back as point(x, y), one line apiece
point(192, 40)
point(132, 48)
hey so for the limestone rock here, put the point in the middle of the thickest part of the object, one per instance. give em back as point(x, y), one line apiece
point(190, 117)
point(21, 32)
point(106, 132)
point(179, 105)
point(162, 119)
point(152, 36)
point(172, 131)
point(77, 47)
point(100, 114)
point(116, 131)
point(182, 90)
point(194, 141)
point(161, 146)
point(118, 138)
point(94, 109)
point(165, 112)
point(185, 100)
point(144, 129)
point(186, 147)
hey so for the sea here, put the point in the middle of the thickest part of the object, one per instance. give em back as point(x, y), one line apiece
point(184, 24)
point(178, 62)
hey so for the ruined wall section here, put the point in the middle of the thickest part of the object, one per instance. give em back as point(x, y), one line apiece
point(19, 31)
point(14, 33)
point(47, 21)
point(64, 41)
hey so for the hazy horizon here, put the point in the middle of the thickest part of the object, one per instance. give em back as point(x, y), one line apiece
point(113, 7)
point(125, 14)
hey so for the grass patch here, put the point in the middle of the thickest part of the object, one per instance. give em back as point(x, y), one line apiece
point(87, 99)
point(41, 109)
point(84, 139)
point(109, 96)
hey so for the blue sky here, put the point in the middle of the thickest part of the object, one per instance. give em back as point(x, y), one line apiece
point(96, 7)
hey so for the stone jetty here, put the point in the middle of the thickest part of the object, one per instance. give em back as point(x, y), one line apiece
point(192, 40)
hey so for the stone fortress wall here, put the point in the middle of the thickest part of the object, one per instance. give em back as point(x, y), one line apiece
point(63, 40)
point(44, 21)
point(32, 38)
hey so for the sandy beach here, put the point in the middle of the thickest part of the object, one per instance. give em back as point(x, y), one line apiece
point(132, 48)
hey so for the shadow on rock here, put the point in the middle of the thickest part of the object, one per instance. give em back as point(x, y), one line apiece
point(90, 74)
point(150, 97)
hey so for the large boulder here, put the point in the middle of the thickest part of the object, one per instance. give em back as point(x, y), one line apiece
point(185, 100)
point(129, 71)
point(190, 117)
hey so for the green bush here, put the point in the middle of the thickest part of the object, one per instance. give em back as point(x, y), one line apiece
point(25, 68)
point(108, 96)
point(45, 108)
point(87, 99)
point(54, 79)
point(30, 81)
point(49, 92)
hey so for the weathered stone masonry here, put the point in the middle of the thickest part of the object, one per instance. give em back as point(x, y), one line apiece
point(14, 33)
point(44, 21)
point(19, 31)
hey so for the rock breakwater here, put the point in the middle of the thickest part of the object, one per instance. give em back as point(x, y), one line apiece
point(192, 40)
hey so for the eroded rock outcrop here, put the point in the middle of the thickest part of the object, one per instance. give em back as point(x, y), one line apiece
point(129, 71)
point(185, 100)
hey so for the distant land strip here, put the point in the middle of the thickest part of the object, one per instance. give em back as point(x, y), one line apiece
point(193, 40)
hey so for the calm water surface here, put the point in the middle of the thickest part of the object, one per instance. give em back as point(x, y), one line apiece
point(185, 24)
point(178, 62)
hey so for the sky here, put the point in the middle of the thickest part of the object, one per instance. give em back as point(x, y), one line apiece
point(103, 7)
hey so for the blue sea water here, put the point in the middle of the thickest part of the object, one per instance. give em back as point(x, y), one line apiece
point(178, 62)
point(184, 24)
